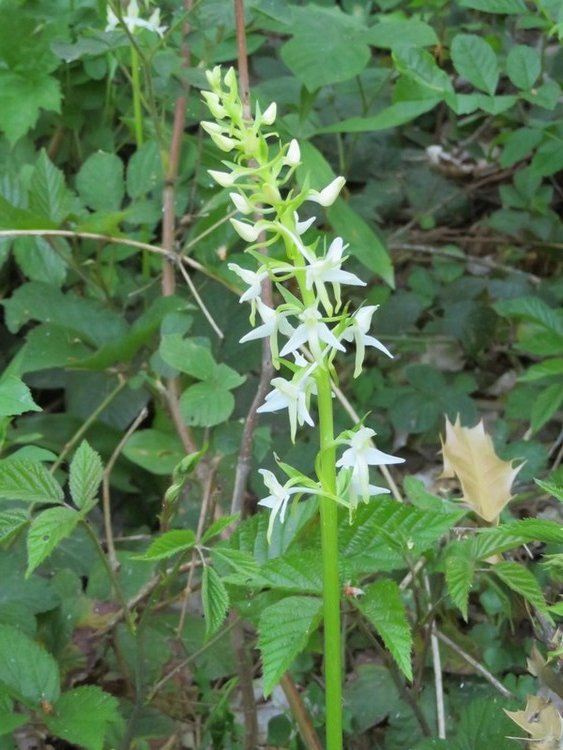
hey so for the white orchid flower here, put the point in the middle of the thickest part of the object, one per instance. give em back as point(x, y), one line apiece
point(225, 179)
point(254, 280)
point(327, 195)
point(241, 203)
point(132, 20)
point(302, 226)
point(313, 331)
point(327, 269)
point(293, 395)
point(273, 322)
point(359, 457)
point(214, 105)
point(357, 331)
point(278, 499)
point(248, 232)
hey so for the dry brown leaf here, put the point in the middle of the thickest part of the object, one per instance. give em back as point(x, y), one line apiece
point(485, 479)
point(542, 721)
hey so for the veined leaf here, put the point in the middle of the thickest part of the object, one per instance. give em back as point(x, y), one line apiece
point(218, 526)
point(86, 472)
point(82, 715)
point(391, 117)
point(283, 632)
point(541, 720)
point(523, 66)
point(475, 60)
point(485, 479)
point(46, 531)
point(187, 356)
point(419, 65)
point(12, 521)
point(546, 405)
point(169, 544)
point(215, 600)
point(27, 671)
point(300, 572)
point(242, 564)
point(100, 182)
point(460, 570)
point(550, 487)
point(522, 581)
point(504, 7)
point(48, 196)
point(383, 607)
point(15, 397)
point(28, 481)
point(409, 32)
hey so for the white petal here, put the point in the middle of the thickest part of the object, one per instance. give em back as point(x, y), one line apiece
point(269, 116)
point(248, 232)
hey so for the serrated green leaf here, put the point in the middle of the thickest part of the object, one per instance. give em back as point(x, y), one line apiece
point(82, 715)
point(187, 356)
point(100, 182)
point(297, 573)
point(86, 472)
point(15, 397)
point(475, 61)
point(206, 404)
point(533, 309)
point(23, 97)
point(215, 600)
point(28, 481)
point(546, 405)
point(551, 488)
point(27, 671)
point(218, 526)
point(169, 544)
point(283, 632)
point(38, 260)
point(546, 369)
point(459, 579)
point(47, 529)
point(242, 563)
point(519, 144)
point(523, 66)
point(11, 522)
point(383, 607)
point(522, 581)
point(48, 195)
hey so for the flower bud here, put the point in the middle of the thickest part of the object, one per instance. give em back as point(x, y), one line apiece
point(225, 179)
point(242, 203)
point(248, 232)
point(231, 81)
point(269, 116)
point(223, 142)
point(214, 104)
point(214, 77)
point(293, 155)
point(329, 194)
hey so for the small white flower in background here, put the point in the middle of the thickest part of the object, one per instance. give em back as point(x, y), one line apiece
point(278, 499)
point(359, 457)
point(132, 21)
point(327, 269)
point(313, 331)
point(327, 195)
point(293, 395)
point(273, 321)
point(357, 331)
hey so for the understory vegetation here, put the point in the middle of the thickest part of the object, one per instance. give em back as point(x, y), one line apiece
point(183, 563)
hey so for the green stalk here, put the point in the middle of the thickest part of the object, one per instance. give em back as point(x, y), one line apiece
point(331, 582)
point(137, 105)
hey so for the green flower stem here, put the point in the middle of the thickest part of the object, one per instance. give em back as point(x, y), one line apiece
point(137, 105)
point(331, 582)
